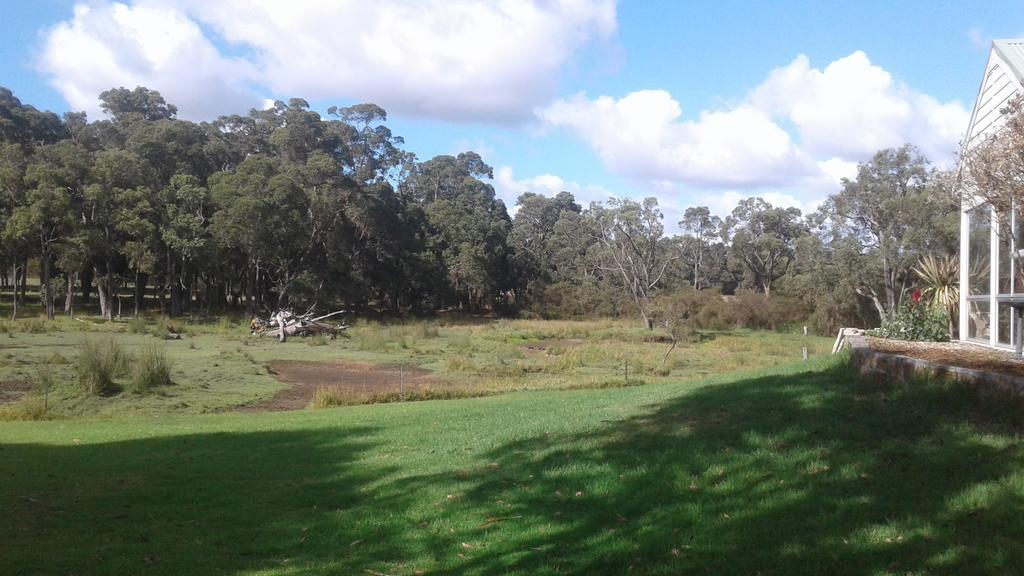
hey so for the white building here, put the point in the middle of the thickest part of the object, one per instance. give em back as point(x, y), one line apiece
point(989, 284)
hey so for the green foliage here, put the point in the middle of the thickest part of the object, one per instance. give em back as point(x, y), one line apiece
point(940, 276)
point(100, 361)
point(918, 322)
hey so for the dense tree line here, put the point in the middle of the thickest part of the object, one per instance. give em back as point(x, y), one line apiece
point(283, 207)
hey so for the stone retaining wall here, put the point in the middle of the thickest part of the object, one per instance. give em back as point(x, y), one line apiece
point(897, 369)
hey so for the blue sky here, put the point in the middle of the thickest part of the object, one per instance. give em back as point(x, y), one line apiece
point(693, 102)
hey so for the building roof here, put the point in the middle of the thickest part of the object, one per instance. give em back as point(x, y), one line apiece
point(1012, 52)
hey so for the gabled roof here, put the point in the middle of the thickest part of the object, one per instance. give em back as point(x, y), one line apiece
point(1012, 52)
point(1003, 79)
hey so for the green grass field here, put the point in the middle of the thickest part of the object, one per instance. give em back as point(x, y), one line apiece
point(729, 456)
point(797, 469)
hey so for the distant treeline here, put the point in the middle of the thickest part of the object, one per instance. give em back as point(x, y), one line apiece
point(282, 207)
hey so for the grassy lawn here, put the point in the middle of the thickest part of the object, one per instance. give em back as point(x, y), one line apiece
point(797, 469)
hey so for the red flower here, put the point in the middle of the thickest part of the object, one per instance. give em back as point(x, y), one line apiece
point(915, 296)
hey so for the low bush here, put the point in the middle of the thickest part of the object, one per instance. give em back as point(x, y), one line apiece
point(138, 326)
point(916, 321)
point(34, 326)
point(710, 310)
point(151, 370)
point(98, 364)
point(31, 408)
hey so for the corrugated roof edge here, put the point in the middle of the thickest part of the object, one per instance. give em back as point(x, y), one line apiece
point(1011, 50)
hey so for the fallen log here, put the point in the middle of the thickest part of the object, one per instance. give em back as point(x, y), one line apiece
point(285, 323)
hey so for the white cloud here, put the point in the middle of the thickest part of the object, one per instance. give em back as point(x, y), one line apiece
point(800, 130)
point(852, 108)
point(449, 59)
point(723, 203)
point(508, 188)
point(111, 45)
point(641, 136)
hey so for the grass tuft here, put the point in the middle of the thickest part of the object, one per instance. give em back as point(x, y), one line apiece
point(100, 361)
point(152, 370)
point(138, 326)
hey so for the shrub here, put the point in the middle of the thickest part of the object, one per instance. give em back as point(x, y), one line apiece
point(428, 330)
point(138, 326)
point(98, 364)
point(31, 408)
point(152, 370)
point(34, 326)
point(916, 321)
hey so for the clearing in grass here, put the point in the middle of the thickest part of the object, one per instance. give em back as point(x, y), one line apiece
point(217, 366)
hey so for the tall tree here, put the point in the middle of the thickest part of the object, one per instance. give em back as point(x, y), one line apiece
point(889, 211)
point(703, 229)
point(56, 176)
point(533, 238)
point(764, 239)
point(633, 247)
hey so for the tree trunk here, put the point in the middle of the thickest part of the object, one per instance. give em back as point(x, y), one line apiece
point(87, 275)
point(111, 292)
point(47, 287)
point(175, 286)
point(14, 309)
point(69, 300)
point(141, 279)
point(24, 280)
point(104, 297)
point(160, 288)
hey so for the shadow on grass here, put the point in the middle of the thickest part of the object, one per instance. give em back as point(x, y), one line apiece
point(809, 473)
point(193, 504)
point(806, 474)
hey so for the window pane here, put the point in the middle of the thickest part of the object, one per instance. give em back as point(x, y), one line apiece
point(979, 276)
point(1004, 323)
point(978, 321)
point(1018, 239)
point(1005, 256)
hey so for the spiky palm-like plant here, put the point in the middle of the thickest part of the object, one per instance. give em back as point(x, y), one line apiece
point(939, 276)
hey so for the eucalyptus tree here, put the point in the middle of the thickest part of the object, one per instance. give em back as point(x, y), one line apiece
point(467, 227)
point(631, 245)
point(889, 210)
point(702, 231)
point(113, 207)
point(55, 180)
point(534, 240)
point(763, 239)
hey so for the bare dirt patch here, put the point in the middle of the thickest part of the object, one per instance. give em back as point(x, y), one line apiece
point(954, 354)
point(357, 378)
point(553, 343)
point(13, 390)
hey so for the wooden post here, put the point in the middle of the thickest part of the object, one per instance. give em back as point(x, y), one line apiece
point(804, 350)
point(805, 330)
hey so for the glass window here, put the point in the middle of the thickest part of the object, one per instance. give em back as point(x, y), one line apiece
point(1005, 257)
point(1005, 314)
point(978, 319)
point(1018, 242)
point(979, 254)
